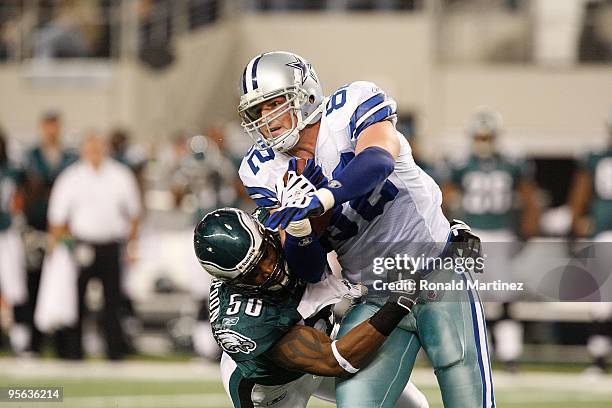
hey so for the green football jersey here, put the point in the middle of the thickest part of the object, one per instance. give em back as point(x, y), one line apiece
point(599, 166)
point(246, 328)
point(488, 190)
point(41, 176)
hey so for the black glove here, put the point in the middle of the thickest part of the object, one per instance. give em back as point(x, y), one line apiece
point(464, 243)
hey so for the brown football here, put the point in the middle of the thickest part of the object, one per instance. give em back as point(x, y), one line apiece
point(318, 223)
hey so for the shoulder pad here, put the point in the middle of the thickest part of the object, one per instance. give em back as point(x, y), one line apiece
point(358, 105)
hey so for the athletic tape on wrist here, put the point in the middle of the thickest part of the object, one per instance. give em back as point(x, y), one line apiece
point(346, 366)
point(299, 228)
point(326, 198)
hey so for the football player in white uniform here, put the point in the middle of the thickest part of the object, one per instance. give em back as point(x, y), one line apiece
point(382, 205)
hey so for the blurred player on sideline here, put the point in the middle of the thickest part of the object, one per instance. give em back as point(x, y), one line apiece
point(591, 204)
point(43, 165)
point(484, 189)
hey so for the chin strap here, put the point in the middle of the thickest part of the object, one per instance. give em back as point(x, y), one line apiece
point(302, 124)
point(310, 117)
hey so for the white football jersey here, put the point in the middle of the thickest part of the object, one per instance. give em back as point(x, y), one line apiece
point(397, 216)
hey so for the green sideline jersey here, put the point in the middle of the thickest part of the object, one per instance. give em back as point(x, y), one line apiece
point(488, 187)
point(9, 178)
point(247, 328)
point(41, 175)
point(599, 166)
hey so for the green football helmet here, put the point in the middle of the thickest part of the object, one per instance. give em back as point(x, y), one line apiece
point(234, 247)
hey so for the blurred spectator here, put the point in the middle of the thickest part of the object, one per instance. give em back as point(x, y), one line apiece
point(128, 154)
point(13, 289)
point(382, 4)
point(9, 20)
point(155, 19)
point(484, 4)
point(43, 165)
point(73, 33)
point(202, 12)
point(286, 5)
point(95, 202)
point(483, 189)
point(596, 38)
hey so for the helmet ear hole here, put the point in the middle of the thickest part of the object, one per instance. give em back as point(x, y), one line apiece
point(311, 98)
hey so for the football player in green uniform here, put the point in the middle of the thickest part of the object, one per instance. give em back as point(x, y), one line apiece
point(483, 189)
point(591, 195)
point(43, 164)
point(274, 327)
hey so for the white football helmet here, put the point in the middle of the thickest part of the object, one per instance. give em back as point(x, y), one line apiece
point(483, 128)
point(485, 121)
point(270, 75)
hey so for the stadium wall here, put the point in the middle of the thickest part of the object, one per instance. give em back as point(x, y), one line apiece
point(550, 111)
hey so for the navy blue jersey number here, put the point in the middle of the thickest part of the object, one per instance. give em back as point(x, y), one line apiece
point(259, 156)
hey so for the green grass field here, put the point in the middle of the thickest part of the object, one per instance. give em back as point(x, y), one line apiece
point(195, 384)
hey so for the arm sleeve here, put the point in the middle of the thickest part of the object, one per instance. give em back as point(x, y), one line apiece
point(362, 174)
point(305, 257)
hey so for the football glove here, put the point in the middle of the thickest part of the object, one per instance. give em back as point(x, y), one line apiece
point(301, 206)
point(309, 181)
point(464, 243)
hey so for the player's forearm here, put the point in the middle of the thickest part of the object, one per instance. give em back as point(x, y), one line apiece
point(311, 351)
point(357, 347)
point(305, 255)
point(368, 169)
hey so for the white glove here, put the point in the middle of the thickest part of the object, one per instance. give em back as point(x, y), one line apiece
point(296, 189)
